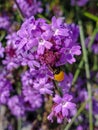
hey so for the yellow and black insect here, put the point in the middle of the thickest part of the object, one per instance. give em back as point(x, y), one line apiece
point(58, 74)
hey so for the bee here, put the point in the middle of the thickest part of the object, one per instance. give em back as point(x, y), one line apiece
point(58, 74)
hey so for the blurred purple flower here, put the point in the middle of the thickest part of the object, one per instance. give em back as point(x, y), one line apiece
point(5, 87)
point(94, 46)
point(65, 85)
point(29, 93)
point(38, 82)
point(79, 2)
point(1, 50)
point(16, 106)
point(29, 7)
point(11, 59)
point(4, 22)
point(63, 108)
point(32, 98)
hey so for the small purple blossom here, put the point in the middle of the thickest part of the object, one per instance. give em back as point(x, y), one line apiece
point(1, 50)
point(5, 87)
point(38, 81)
point(29, 7)
point(79, 2)
point(65, 85)
point(4, 22)
point(15, 104)
point(11, 59)
point(94, 46)
point(32, 98)
point(62, 108)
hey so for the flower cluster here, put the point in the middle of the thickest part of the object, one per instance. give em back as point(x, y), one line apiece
point(52, 44)
point(44, 47)
point(42, 73)
point(40, 49)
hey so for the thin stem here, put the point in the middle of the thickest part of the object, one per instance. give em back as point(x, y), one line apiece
point(92, 38)
point(95, 66)
point(41, 16)
point(19, 124)
point(57, 88)
point(2, 36)
point(87, 74)
point(77, 71)
point(19, 10)
point(78, 113)
point(91, 16)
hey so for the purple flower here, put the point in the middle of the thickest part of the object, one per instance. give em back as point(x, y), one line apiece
point(63, 108)
point(4, 22)
point(40, 43)
point(29, 7)
point(79, 2)
point(29, 93)
point(68, 55)
point(1, 50)
point(16, 106)
point(79, 127)
point(95, 106)
point(65, 85)
point(32, 98)
point(94, 46)
point(38, 81)
point(58, 27)
point(43, 85)
point(5, 87)
point(11, 59)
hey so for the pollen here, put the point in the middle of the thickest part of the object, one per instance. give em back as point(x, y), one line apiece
point(59, 77)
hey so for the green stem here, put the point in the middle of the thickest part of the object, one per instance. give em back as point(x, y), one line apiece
point(19, 124)
point(74, 118)
point(91, 16)
point(2, 36)
point(87, 74)
point(19, 10)
point(41, 16)
point(77, 71)
point(95, 66)
point(92, 38)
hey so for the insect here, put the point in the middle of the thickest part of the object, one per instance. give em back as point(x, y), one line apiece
point(58, 74)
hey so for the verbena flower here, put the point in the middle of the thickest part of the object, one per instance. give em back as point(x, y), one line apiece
point(29, 7)
point(1, 50)
point(62, 108)
point(40, 47)
point(4, 22)
point(16, 106)
point(66, 84)
point(11, 60)
point(79, 2)
point(40, 43)
point(38, 82)
point(94, 46)
point(29, 93)
point(5, 87)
